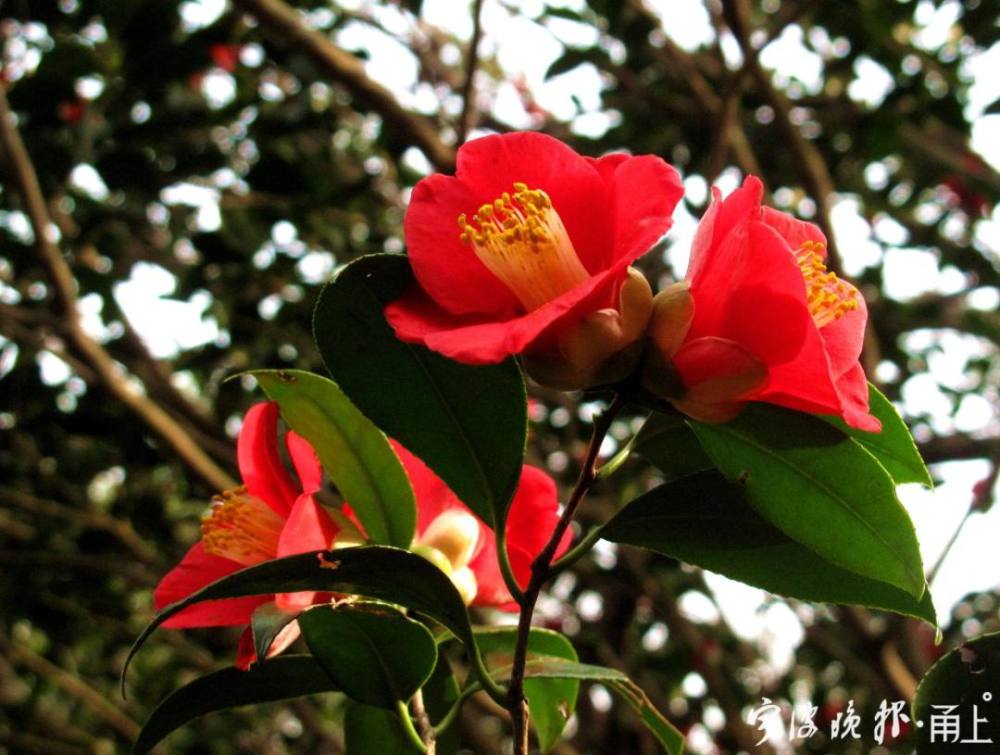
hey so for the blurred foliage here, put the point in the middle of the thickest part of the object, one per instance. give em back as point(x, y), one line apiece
point(234, 161)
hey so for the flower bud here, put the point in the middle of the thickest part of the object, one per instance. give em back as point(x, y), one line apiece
point(673, 311)
point(603, 348)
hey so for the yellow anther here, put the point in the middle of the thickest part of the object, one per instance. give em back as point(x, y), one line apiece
point(829, 298)
point(522, 240)
point(241, 527)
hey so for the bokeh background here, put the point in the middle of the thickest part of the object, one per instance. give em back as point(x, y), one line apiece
point(204, 166)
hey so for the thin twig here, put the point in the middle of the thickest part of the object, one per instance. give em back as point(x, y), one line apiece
point(350, 71)
point(540, 572)
point(468, 119)
point(72, 685)
point(64, 286)
point(423, 721)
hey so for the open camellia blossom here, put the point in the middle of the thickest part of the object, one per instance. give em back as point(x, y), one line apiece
point(268, 517)
point(271, 516)
point(759, 318)
point(528, 242)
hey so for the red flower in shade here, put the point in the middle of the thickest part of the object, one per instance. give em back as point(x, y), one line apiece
point(457, 540)
point(544, 238)
point(759, 318)
point(269, 516)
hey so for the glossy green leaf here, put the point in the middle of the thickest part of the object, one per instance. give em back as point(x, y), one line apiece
point(821, 488)
point(550, 701)
point(706, 521)
point(893, 446)
point(369, 730)
point(374, 653)
point(375, 730)
point(967, 679)
point(667, 442)
point(468, 423)
point(372, 571)
point(266, 624)
point(354, 452)
point(666, 733)
point(280, 678)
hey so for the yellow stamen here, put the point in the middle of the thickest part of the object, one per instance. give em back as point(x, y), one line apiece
point(522, 240)
point(829, 298)
point(241, 527)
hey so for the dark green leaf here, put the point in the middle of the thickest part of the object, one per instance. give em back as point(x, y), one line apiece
point(821, 488)
point(706, 521)
point(894, 446)
point(965, 677)
point(550, 701)
point(369, 730)
point(277, 679)
point(372, 571)
point(556, 668)
point(266, 623)
point(468, 423)
point(374, 653)
point(354, 452)
point(666, 442)
point(375, 730)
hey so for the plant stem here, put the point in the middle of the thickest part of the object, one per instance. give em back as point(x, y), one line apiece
point(427, 733)
point(541, 571)
point(411, 731)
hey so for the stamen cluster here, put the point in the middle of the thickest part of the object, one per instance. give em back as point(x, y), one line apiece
point(828, 297)
point(522, 240)
point(241, 527)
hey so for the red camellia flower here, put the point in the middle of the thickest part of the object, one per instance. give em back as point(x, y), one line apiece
point(759, 318)
point(527, 241)
point(269, 516)
point(450, 535)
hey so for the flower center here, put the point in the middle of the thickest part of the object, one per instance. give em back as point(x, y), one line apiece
point(829, 298)
point(450, 543)
point(522, 240)
point(241, 528)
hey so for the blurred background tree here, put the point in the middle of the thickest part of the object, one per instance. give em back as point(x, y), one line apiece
point(180, 177)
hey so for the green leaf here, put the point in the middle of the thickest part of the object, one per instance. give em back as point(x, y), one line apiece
point(550, 701)
point(468, 423)
point(706, 521)
point(372, 571)
point(369, 730)
point(821, 488)
point(894, 446)
point(375, 730)
point(354, 452)
point(666, 442)
point(556, 668)
point(266, 623)
point(374, 653)
point(277, 679)
point(965, 677)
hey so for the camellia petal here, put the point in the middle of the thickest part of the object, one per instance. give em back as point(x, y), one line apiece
point(770, 322)
point(196, 570)
point(544, 239)
point(260, 463)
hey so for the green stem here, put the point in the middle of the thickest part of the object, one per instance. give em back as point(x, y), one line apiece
point(582, 547)
point(505, 568)
point(409, 727)
point(448, 717)
point(489, 685)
